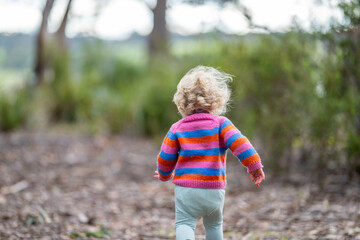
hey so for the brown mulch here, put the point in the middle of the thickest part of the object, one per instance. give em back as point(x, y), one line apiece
point(57, 186)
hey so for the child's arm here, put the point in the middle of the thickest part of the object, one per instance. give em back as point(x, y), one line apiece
point(167, 157)
point(241, 147)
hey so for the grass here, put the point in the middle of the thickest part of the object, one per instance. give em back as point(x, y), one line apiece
point(12, 78)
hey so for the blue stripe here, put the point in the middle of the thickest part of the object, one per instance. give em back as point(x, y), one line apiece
point(226, 123)
point(247, 153)
point(165, 173)
point(171, 135)
point(202, 171)
point(198, 133)
point(233, 138)
point(166, 156)
point(202, 152)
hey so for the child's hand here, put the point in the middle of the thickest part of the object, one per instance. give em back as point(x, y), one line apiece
point(257, 176)
point(156, 175)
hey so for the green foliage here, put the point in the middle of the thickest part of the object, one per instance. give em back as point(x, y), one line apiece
point(342, 85)
point(68, 99)
point(98, 234)
point(115, 111)
point(351, 10)
point(273, 92)
point(75, 235)
point(33, 220)
point(13, 110)
point(157, 111)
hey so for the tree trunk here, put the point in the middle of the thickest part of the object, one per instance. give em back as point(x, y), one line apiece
point(40, 64)
point(158, 39)
point(60, 33)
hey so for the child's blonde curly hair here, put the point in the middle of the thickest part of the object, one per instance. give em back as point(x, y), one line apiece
point(203, 89)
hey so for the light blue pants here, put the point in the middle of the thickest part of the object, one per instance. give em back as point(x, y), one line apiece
point(192, 203)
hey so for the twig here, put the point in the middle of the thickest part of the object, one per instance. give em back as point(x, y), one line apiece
point(17, 187)
point(43, 214)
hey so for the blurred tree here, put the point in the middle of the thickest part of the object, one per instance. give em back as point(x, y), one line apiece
point(46, 41)
point(345, 89)
point(158, 42)
point(336, 126)
point(40, 64)
point(60, 33)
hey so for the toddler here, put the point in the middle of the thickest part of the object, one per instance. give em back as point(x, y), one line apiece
point(195, 147)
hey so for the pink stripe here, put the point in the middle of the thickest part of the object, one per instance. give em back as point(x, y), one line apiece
point(196, 125)
point(200, 184)
point(221, 120)
point(169, 150)
point(164, 168)
point(194, 146)
point(243, 147)
point(255, 166)
point(213, 165)
point(229, 133)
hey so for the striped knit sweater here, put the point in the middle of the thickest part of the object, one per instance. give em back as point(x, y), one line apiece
point(195, 147)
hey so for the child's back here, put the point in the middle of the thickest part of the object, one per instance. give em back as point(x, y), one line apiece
point(196, 147)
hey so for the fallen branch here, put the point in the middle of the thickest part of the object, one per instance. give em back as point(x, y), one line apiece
point(43, 214)
point(17, 187)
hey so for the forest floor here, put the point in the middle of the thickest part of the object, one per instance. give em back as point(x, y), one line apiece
point(62, 186)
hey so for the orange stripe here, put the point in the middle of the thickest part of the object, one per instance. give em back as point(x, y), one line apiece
point(226, 129)
point(250, 160)
point(200, 177)
point(170, 143)
point(166, 163)
point(211, 158)
point(238, 142)
point(211, 138)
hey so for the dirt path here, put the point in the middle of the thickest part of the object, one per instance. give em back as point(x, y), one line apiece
point(54, 186)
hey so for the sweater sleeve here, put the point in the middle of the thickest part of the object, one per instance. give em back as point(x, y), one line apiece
point(168, 156)
point(240, 146)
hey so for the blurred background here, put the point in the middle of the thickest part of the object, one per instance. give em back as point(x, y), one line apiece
point(110, 68)
point(113, 66)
